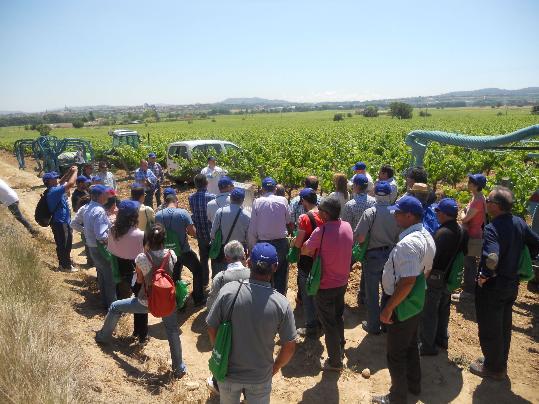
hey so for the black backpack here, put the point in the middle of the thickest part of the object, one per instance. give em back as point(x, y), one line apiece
point(43, 215)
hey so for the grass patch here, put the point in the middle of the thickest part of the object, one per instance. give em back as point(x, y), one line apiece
point(37, 362)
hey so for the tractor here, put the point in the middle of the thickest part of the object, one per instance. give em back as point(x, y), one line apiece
point(121, 137)
point(53, 154)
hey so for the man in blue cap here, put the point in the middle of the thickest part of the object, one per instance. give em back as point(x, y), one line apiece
point(222, 199)
point(361, 168)
point(145, 178)
point(83, 184)
point(213, 173)
point(234, 224)
point(408, 262)
point(450, 240)
point(258, 315)
point(269, 219)
point(353, 209)
point(96, 233)
point(56, 196)
point(159, 173)
point(379, 225)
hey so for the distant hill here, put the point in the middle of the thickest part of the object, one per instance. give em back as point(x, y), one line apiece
point(494, 92)
point(253, 101)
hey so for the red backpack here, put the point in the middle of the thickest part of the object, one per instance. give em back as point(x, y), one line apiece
point(161, 293)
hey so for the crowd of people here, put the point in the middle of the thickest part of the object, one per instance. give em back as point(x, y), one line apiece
point(408, 248)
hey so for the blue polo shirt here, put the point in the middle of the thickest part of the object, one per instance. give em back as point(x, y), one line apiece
point(505, 236)
point(57, 203)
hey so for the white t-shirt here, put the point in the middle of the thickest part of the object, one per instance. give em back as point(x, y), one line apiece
point(7, 195)
point(146, 268)
point(213, 176)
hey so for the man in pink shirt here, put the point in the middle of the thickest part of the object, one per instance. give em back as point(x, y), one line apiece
point(333, 241)
point(269, 219)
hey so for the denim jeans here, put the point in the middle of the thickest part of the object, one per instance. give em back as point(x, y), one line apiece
point(309, 308)
point(107, 287)
point(280, 277)
point(372, 273)
point(203, 253)
point(63, 237)
point(133, 305)
point(434, 319)
point(230, 392)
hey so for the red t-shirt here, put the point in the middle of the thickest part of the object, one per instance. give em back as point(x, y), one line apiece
point(304, 223)
point(474, 226)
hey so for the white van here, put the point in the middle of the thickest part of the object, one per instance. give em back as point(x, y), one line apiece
point(186, 148)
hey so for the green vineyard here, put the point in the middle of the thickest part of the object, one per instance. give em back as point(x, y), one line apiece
point(290, 146)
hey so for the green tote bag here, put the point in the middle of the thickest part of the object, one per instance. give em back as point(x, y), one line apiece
point(414, 302)
point(218, 362)
point(315, 276)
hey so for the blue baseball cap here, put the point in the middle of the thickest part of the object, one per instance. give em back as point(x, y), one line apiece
point(478, 179)
point(50, 176)
point(169, 191)
point(360, 179)
point(268, 182)
point(82, 178)
point(448, 206)
point(407, 204)
point(238, 193)
point(98, 189)
point(211, 158)
point(152, 155)
point(96, 179)
point(360, 165)
point(128, 206)
point(264, 252)
point(382, 188)
point(225, 182)
point(309, 195)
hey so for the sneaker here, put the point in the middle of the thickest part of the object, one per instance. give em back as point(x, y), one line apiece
point(329, 367)
point(478, 368)
point(178, 374)
point(462, 296)
point(212, 386)
point(70, 269)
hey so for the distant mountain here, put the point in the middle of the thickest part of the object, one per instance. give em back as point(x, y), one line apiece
point(253, 101)
point(494, 92)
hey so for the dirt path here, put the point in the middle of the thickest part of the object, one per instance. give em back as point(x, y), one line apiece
point(123, 373)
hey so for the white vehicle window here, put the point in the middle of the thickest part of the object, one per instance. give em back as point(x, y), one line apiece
point(231, 147)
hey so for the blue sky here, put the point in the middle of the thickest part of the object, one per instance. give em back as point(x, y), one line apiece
point(57, 53)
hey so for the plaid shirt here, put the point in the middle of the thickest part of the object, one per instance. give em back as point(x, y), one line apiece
point(354, 208)
point(198, 202)
point(157, 170)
